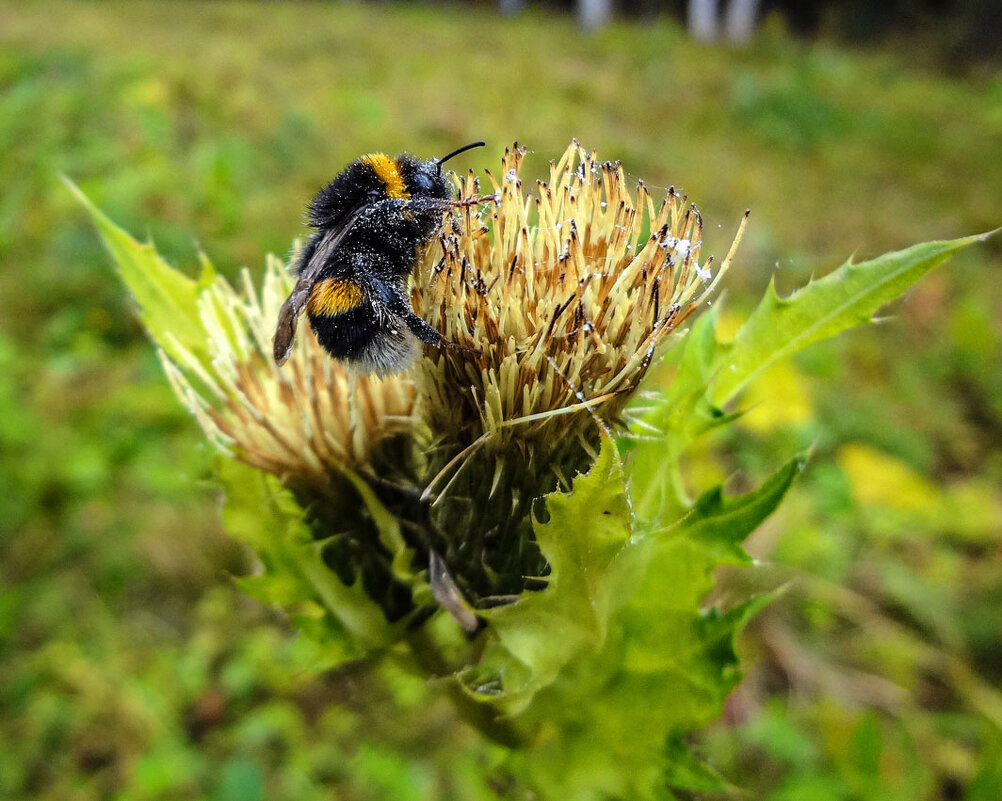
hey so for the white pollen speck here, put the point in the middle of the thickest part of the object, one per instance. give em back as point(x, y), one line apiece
point(512, 176)
point(682, 247)
point(603, 204)
point(704, 273)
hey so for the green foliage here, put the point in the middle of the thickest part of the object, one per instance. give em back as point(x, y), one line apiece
point(114, 629)
point(779, 327)
point(263, 514)
point(592, 681)
point(661, 668)
point(535, 639)
point(167, 299)
point(710, 373)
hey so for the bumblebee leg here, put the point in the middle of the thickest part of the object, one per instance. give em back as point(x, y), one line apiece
point(429, 334)
point(398, 304)
point(423, 330)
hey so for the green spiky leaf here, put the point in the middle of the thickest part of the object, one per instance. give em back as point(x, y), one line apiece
point(721, 524)
point(656, 486)
point(535, 638)
point(852, 294)
point(664, 666)
point(261, 513)
point(709, 373)
point(167, 298)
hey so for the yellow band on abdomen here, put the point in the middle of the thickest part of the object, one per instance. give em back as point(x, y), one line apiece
point(334, 296)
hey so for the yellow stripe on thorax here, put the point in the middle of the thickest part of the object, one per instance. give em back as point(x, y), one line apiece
point(388, 172)
point(334, 296)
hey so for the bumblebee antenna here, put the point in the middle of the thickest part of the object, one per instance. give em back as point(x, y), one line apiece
point(463, 149)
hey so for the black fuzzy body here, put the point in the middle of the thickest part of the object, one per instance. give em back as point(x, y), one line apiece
point(381, 226)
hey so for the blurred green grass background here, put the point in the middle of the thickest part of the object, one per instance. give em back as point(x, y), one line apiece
point(131, 668)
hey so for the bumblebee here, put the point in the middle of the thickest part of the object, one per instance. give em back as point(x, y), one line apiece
point(371, 222)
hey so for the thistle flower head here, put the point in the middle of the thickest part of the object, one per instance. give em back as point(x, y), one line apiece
point(302, 422)
point(566, 293)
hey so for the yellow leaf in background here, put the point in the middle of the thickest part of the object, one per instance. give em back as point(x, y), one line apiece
point(973, 510)
point(779, 399)
point(728, 324)
point(879, 479)
point(151, 93)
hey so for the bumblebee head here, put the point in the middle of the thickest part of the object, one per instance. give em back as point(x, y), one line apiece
point(376, 177)
point(424, 178)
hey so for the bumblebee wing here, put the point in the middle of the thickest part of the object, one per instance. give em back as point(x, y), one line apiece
point(288, 315)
